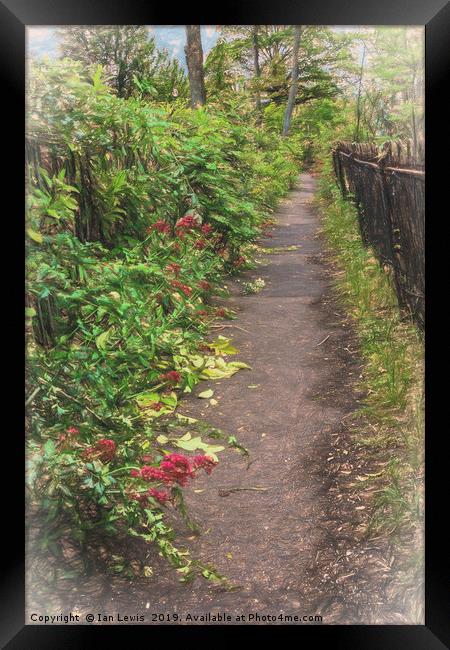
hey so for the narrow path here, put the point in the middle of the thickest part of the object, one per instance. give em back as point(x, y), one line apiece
point(267, 542)
point(299, 546)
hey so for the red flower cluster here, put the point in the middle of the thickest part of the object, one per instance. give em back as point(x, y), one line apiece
point(201, 312)
point(207, 229)
point(161, 226)
point(172, 376)
point(104, 450)
point(149, 473)
point(107, 449)
point(182, 287)
point(142, 497)
point(203, 284)
point(175, 469)
point(205, 462)
point(220, 311)
point(239, 262)
point(200, 244)
point(159, 495)
point(173, 268)
point(186, 223)
point(65, 439)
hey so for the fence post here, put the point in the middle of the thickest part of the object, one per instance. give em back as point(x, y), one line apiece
point(389, 199)
point(393, 234)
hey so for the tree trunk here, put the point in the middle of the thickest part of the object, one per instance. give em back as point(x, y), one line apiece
point(358, 100)
point(194, 59)
point(294, 81)
point(257, 74)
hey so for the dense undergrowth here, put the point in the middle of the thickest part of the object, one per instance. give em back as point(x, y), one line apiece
point(392, 381)
point(135, 213)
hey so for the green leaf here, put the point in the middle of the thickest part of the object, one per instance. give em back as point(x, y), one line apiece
point(144, 399)
point(206, 394)
point(49, 448)
point(53, 213)
point(190, 445)
point(222, 345)
point(102, 338)
point(216, 373)
point(170, 400)
point(185, 418)
point(35, 236)
point(239, 364)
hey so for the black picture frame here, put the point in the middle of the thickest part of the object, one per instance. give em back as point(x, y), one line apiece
point(15, 15)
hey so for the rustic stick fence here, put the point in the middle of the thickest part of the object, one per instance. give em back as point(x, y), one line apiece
point(387, 185)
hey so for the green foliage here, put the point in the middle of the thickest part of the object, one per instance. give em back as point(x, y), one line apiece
point(137, 207)
point(131, 61)
point(322, 53)
point(135, 211)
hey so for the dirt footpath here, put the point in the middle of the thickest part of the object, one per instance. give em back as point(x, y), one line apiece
point(288, 548)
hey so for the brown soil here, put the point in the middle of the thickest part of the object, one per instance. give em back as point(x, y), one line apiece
point(299, 547)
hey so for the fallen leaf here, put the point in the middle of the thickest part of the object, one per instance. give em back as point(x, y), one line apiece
point(206, 394)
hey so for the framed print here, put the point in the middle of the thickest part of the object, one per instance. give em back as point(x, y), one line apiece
point(225, 322)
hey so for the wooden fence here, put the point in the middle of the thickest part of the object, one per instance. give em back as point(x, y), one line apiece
point(387, 185)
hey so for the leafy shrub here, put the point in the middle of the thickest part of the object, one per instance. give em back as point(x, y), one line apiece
point(135, 211)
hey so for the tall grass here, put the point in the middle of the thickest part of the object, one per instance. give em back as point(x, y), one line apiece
point(392, 377)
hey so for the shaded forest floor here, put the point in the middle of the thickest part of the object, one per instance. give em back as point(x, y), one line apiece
point(299, 545)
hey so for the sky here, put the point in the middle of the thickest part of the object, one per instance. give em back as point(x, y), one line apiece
point(42, 40)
